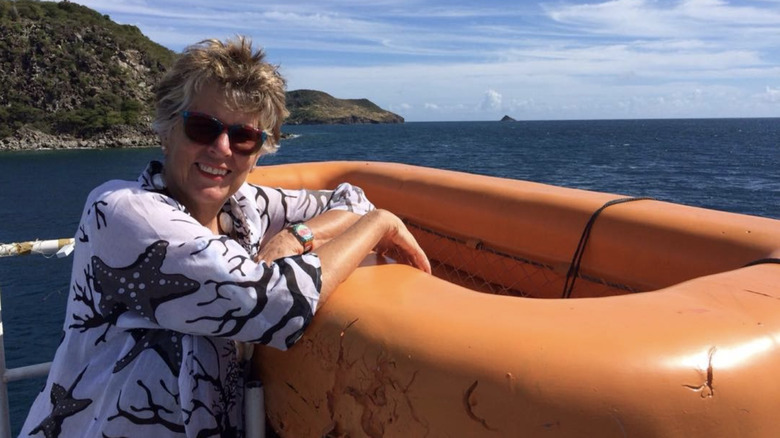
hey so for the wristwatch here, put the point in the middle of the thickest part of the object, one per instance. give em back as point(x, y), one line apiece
point(304, 235)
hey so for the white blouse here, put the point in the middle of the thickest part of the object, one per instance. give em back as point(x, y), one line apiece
point(156, 301)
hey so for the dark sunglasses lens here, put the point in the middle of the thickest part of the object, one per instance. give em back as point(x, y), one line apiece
point(244, 139)
point(205, 129)
point(243, 134)
point(202, 129)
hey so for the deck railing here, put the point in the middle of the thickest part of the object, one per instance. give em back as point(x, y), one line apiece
point(60, 248)
point(253, 396)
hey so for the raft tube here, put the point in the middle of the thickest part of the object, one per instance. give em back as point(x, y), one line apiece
point(649, 319)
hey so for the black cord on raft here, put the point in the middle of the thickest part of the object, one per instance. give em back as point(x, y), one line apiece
point(762, 261)
point(574, 267)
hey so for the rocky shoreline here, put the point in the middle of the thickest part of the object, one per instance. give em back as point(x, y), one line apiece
point(26, 139)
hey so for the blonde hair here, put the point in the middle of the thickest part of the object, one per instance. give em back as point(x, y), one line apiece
point(249, 84)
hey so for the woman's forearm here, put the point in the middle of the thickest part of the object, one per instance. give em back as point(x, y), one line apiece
point(324, 227)
point(330, 224)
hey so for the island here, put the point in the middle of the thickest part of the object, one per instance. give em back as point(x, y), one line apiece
point(71, 77)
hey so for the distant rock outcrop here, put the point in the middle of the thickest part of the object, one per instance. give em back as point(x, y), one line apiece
point(507, 119)
point(315, 107)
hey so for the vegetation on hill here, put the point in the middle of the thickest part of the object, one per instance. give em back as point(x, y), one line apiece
point(67, 71)
point(317, 107)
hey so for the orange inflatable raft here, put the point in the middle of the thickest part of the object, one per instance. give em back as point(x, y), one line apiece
point(549, 315)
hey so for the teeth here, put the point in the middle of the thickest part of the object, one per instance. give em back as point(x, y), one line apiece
point(212, 170)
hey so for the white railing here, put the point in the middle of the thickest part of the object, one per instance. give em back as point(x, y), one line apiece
point(60, 248)
point(253, 396)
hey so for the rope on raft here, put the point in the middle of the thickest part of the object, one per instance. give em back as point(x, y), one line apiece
point(574, 267)
point(763, 261)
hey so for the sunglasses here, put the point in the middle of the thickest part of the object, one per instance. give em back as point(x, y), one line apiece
point(204, 129)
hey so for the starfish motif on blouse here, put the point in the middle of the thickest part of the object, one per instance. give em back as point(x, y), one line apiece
point(166, 343)
point(141, 286)
point(64, 406)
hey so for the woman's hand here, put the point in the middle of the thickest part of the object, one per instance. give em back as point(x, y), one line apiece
point(339, 255)
point(378, 229)
point(400, 245)
point(283, 244)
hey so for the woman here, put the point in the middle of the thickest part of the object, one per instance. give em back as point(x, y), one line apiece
point(170, 270)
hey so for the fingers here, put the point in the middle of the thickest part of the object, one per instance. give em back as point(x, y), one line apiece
point(418, 259)
point(404, 248)
point(421, 262)
point(413, 254)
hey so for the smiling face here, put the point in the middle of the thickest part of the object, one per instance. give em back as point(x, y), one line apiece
point(203, 177)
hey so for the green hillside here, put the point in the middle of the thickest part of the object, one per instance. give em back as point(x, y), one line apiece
point(66, 69)
point(71, 77)
point(317, 107)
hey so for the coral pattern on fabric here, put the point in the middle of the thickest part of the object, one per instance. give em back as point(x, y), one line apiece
point(157, 302)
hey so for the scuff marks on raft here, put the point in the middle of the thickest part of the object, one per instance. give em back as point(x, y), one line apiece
point(469, 401)
point(761, 294)
point(342, 368)
point(382, 400)
point(304, 399)
point(707, 390)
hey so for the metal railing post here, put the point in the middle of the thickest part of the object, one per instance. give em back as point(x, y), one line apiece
point(5, 410)
point(62, 248)
point(254, 410)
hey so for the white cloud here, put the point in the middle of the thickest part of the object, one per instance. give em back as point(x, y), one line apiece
point(772, 94)
point(678, 19)
point(572, 59)
point(491, 101)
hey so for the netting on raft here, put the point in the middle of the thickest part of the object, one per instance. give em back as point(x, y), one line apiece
point(476, 266)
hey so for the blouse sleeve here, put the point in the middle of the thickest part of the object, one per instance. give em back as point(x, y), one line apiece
point(289, 206)
point(153, 265)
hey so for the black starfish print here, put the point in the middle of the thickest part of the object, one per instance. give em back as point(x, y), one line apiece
point(64, 406)
point(166, 343)
point(141, 286)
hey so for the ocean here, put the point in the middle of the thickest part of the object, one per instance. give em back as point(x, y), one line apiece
point(722, 164)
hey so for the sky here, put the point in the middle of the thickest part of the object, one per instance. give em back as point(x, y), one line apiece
point(434, 60)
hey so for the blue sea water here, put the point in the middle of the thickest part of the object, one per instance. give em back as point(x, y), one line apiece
point(724, 164)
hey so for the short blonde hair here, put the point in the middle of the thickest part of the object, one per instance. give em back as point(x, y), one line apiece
point(249, 83)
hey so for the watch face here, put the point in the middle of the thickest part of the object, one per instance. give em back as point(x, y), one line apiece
point(303, 232)
point(304, 235)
